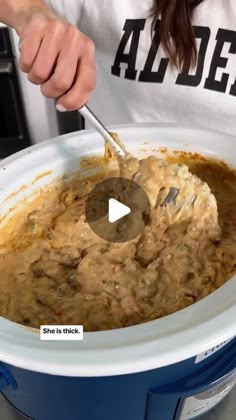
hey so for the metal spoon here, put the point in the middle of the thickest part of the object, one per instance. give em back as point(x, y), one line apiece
point(118, 149)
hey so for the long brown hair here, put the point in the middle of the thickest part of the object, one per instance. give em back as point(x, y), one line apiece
point(176, 31)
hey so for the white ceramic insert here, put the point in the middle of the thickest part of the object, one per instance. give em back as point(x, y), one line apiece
point(134, 349)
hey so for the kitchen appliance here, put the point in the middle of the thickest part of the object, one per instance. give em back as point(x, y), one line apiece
point(174, 368)
point(14, 133)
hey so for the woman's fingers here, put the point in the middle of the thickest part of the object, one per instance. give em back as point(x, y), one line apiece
point(46, 58)
point(29, 50)
point(66, 67)
point(84, 83)
point(57, 56)
point(32, 34)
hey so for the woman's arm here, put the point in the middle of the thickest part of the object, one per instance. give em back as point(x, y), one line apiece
point(54, 53)
point(13, 13)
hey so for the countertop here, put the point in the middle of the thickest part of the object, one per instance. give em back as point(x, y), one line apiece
point(224, 411)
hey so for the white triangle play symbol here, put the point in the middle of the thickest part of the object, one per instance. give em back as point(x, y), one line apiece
point(116, 210)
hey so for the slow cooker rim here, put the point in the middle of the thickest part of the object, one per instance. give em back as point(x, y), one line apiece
point(125, 366)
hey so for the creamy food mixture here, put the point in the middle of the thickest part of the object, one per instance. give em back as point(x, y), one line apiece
point(55, 270)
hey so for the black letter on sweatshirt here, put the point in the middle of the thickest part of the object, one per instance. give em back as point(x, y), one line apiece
point(233, 89)
point(147, 75)
point(194, 80)
point(132, 27)
point(211, 83)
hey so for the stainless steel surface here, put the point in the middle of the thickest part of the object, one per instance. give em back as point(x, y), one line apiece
point(164, 198)
point(226, 410)
point(6, 67)
point(96, 123)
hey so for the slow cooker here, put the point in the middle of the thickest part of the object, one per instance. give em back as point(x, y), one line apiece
point(174, 368)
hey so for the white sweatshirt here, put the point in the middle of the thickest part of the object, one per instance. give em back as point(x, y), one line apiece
point(134, 85)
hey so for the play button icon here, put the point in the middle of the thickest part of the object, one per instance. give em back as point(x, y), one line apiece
point(117, 209)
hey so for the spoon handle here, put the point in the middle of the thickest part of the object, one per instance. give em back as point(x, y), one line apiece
point(86, 112)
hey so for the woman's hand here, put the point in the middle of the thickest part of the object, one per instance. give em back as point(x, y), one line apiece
point(58, 57)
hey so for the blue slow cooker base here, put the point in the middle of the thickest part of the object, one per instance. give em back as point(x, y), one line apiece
point(127, 397)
